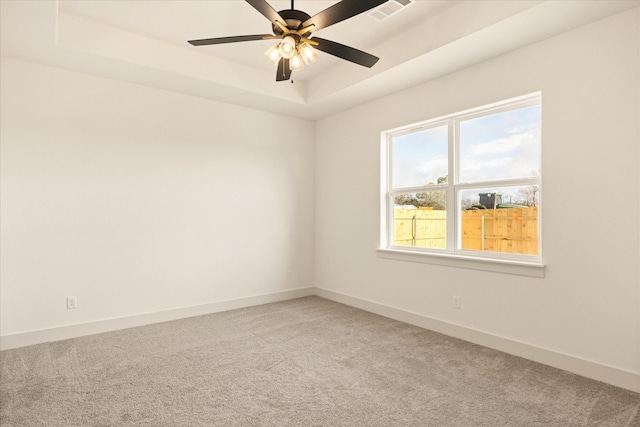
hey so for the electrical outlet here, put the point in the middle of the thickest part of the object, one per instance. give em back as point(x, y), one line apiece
point(289, 275)
point(456, 301)
point(72, 302)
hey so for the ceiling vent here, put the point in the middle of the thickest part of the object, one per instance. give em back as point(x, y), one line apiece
point(389, 8)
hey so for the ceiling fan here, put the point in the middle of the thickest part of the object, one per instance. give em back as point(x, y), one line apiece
point(294, 27)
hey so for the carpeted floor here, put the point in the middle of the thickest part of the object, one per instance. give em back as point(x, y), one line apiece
point(304, 362)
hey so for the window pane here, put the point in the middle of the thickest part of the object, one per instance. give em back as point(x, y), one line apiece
point(419, 219)
point(420, 158)
point(500, 220)
point(501, 146)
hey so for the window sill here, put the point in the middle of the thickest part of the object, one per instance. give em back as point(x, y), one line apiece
point(462, 261)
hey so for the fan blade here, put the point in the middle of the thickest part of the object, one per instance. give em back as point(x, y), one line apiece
point(264, 8)
point(221, 40)
point(345, 52)
point(339, 12)
point(284, 72)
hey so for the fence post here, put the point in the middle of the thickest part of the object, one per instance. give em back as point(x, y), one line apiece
point(483, 217)
point(413, 230)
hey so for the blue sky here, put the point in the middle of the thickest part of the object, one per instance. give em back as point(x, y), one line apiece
point(499, 146)
point(420, 158)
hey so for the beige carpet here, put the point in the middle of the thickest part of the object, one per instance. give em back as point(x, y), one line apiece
point(305, 362)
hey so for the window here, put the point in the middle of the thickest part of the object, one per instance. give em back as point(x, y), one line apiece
point(466, 185)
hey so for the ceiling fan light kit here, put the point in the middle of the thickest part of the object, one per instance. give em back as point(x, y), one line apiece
point(299, 55)
point(296, 63)
point(308, 53)
point(274, 54)
point(293, 27)
point(288, 47)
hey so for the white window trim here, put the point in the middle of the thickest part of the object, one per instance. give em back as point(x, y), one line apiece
point(521, 268)
point(526, 265)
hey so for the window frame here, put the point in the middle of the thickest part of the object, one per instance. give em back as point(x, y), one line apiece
point(453, 254)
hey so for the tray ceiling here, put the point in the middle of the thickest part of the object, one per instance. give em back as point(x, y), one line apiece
point(144, 42)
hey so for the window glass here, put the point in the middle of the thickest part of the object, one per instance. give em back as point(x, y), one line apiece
point(500, 220)
point(420, 158)
point(501, 146)
point(420, 220)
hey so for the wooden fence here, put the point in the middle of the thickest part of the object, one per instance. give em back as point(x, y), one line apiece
point(513, 230)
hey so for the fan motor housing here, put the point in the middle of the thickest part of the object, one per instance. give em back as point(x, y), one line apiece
point(294, 19)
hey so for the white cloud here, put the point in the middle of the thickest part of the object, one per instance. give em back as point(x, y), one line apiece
point(515, 156)
point(414, 172)
point(435, 167)
point(500, 145)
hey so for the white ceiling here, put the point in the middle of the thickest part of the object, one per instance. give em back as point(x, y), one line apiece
point(176, 21)
point(144, 42)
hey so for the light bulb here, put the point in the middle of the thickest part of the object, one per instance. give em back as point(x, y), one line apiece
point(308, 53)
point(288, 47)
point(274, 53)
point(296, 63)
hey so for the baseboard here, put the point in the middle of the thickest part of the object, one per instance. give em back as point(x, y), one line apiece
point(586, 368)
point(24, 339)
point(607, 374)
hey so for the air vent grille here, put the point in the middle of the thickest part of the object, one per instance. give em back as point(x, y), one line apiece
point(389, 8)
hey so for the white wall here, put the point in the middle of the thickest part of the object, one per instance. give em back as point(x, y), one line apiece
point(588, 305)
point(138, 200)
